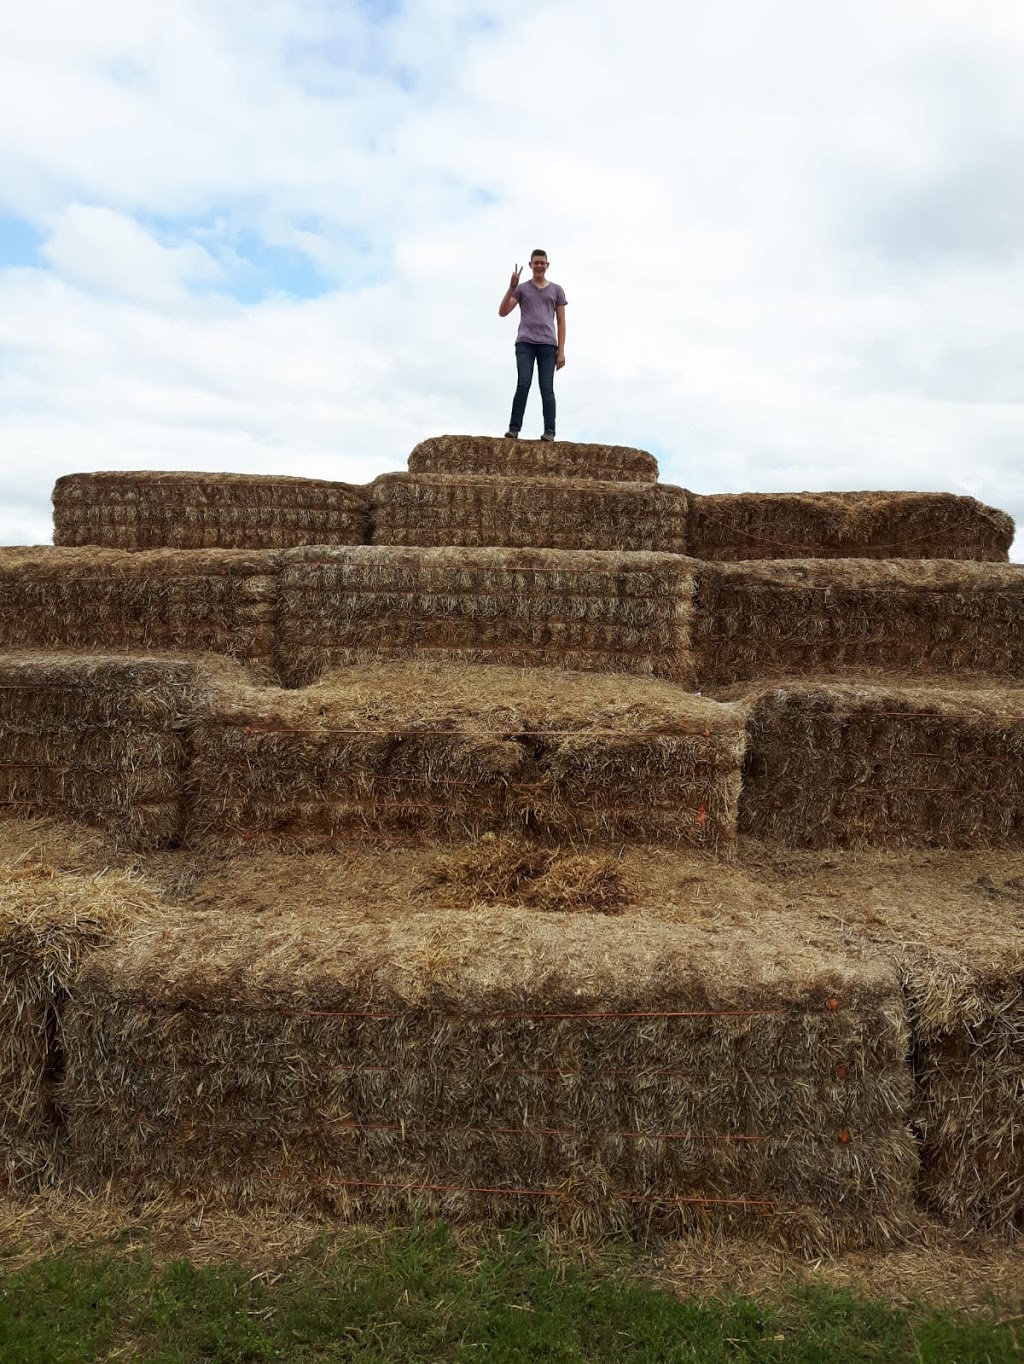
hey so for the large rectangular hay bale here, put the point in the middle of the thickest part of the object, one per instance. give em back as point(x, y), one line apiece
point(436, 750)
point(97, 739)
point(496, 1064)
point(838, 765)
point(154, 510)
point(967, 1014)
point(532, 459)
point(865, 525)
point(540, 513)
point(787, 618)
point(49, 923)
point(576, 609)
point(221, 601)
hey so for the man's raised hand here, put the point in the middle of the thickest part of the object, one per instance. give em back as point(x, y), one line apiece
point(514, 282)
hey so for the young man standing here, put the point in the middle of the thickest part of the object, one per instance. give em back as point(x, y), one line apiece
point(541, 338)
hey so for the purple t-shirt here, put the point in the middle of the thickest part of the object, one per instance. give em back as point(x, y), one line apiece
point(537, 308)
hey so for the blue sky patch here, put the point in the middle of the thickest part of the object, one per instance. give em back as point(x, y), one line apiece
point(19, 242)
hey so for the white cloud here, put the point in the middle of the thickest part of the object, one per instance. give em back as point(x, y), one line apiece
point(789, 236)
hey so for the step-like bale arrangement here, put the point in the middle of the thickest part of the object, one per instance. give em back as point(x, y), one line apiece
point(539, 513)
point(585, 611)
point(838, 765)
point(221, 601)
point(968, 1021)
point(532, 459)
point(420, 750)
point(207, 511)
point(882, 525)
point(779, 618)
point(97, 739)
point(49, 923)
point(485, 1063)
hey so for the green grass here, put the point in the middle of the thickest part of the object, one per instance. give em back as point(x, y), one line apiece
point(414, 1295)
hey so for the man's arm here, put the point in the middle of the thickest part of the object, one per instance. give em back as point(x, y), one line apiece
point(560, 322)
point(509, 302)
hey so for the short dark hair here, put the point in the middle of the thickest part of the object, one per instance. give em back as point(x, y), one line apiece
point(538, 251)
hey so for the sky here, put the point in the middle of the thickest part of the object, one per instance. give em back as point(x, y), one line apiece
point(272, 237)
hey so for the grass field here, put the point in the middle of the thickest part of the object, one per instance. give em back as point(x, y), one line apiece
point(420, 1294)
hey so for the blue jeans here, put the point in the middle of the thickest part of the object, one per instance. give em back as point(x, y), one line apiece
point(545, 356)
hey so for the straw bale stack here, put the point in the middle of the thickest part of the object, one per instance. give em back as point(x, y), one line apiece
point(532, 459)
point(207, 511)
point(497, 1064)
point(837, 765)
point(107, 600)
point(541, 513)
point(98, 739)
point(968, 1022)
point(779, 618)
point(49, 923)
point(431, 750)
point(883, 525)
point(576, 609)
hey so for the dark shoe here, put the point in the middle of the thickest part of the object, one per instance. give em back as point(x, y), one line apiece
point(548, 435)
point(511, 435)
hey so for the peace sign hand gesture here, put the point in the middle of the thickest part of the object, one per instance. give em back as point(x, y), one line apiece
point(514, 282)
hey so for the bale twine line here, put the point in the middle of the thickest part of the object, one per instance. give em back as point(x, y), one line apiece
point(768, 1203)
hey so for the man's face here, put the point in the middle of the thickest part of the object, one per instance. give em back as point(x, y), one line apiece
point(538, 264)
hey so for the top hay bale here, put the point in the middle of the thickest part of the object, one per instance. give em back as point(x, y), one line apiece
point(862, 525)
point(532, 458)
point(207, 511)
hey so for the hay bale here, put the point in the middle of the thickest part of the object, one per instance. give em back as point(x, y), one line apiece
point(867, 525)
point(540, 513)
point(207, 511)
point(49, 924)
point(107, 600)
point(577, 609)
point(833, 765)
point(98, 739)
point(434, 751)
point(532, 459)
point(764, 618)
point(497, 1064)
point(968, 1026)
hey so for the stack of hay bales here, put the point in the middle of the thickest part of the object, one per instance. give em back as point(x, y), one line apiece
point(581, 610)
point(207, 511)
point(97, 739)
point(838, 765)
point(883, 525)
point(49, 923)
point(762, 619)
point(488, 1063)
point(101, 600)
point(419, 749)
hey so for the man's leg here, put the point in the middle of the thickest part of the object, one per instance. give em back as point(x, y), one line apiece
point(524, 365)
point(546, 357)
